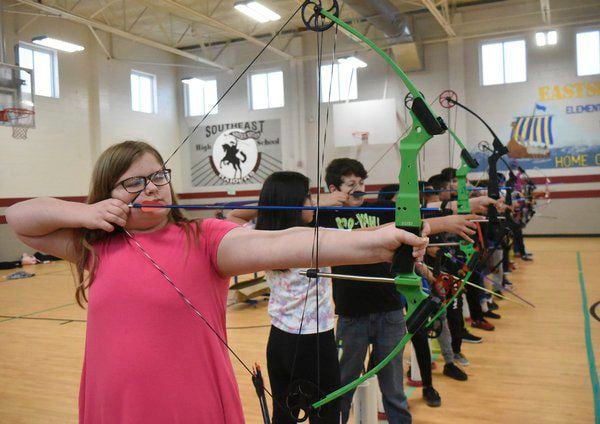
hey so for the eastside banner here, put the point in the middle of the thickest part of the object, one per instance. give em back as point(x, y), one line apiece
point(235, 153)
point(557, 130)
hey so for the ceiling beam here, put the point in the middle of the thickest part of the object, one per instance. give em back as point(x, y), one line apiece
point(439, 17)
point(104, 6)
point(192, 14)
point(545, 8)
point(116, 31)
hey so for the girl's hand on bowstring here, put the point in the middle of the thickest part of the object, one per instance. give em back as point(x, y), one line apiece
point(106, 215)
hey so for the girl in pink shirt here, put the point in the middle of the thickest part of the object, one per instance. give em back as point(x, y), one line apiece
point(157, 286)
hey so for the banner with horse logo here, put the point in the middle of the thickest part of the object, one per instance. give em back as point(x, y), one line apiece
point(236, 153)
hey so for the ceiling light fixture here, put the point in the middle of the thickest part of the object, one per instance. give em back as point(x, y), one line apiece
point(352, 61)
point(53, 43)
point(192, 81)
point(256, 11)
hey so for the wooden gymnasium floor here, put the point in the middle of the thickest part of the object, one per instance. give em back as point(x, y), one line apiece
point(533, 369)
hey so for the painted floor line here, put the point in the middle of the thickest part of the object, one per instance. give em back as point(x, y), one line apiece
point(37, 312)
point(588, 343)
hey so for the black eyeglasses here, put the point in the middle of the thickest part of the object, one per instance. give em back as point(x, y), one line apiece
point(138, 184)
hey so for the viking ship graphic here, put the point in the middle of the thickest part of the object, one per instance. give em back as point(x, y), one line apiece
point(531, 137)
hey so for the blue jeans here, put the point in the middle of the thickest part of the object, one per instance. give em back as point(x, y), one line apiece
point(384, 331)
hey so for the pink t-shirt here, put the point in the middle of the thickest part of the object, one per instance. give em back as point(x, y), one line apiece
point(148, 357)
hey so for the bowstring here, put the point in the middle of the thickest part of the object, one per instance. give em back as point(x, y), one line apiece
point(319, 172)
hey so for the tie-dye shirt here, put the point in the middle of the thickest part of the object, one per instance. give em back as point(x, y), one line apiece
point(287, 302)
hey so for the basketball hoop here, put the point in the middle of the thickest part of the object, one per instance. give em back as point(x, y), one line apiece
point(363, 136)
point(19, 119)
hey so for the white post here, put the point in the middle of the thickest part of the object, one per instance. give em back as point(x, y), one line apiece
point(465, 308)
point(415, 371)
point(365, 402)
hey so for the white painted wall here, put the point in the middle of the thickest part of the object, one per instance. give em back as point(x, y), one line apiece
point(94, 112)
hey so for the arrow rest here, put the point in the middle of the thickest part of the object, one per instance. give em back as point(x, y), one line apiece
point(312, 17)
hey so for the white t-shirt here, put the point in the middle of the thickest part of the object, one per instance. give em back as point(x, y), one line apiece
point(290, 292)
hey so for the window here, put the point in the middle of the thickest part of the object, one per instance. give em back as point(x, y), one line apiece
point(267, 90)
point(549, 38)
point(588, 53)
point(200, 96)
point(503, 63)
point(143, 92)
point(338, 82)
point(45, 69)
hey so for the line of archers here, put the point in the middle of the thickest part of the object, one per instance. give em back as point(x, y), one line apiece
point(425, 125)
point(151, 205)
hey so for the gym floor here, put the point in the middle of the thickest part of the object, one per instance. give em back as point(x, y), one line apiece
point(535, 367)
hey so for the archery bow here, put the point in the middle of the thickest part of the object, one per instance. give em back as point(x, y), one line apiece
point(497, 231)
point(449, 99)
point(425, 125)
point(463, 208)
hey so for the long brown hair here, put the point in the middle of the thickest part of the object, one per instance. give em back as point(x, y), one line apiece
point(111, 164)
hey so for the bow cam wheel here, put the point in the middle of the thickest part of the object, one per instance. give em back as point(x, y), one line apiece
point(448, 99)
point(301, 395)
point(312, 17)
point(434, 330)
point(408, 99)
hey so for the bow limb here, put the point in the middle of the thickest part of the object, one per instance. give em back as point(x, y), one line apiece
point(463, 207)
point(498, 151)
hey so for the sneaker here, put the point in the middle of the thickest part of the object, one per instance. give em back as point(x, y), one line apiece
point(506, 283)
point(490, 314)
point(483, 325)
point(511, 266)
point(492, 306)
point(461, 359)
point(452, 371)
point(471, 338)
point(500, 293)
point(526, 258)
point(432, 397)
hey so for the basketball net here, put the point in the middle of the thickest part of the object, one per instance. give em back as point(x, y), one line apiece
point(363, 136)
point(19, 119)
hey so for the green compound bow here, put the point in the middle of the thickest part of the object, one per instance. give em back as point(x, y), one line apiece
point(425, 125)
point(463, 208)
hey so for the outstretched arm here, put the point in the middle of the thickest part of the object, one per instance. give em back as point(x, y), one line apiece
point(461, 225)
point(243, 251)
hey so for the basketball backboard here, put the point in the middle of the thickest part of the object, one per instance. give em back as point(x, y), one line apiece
point(16, 97)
